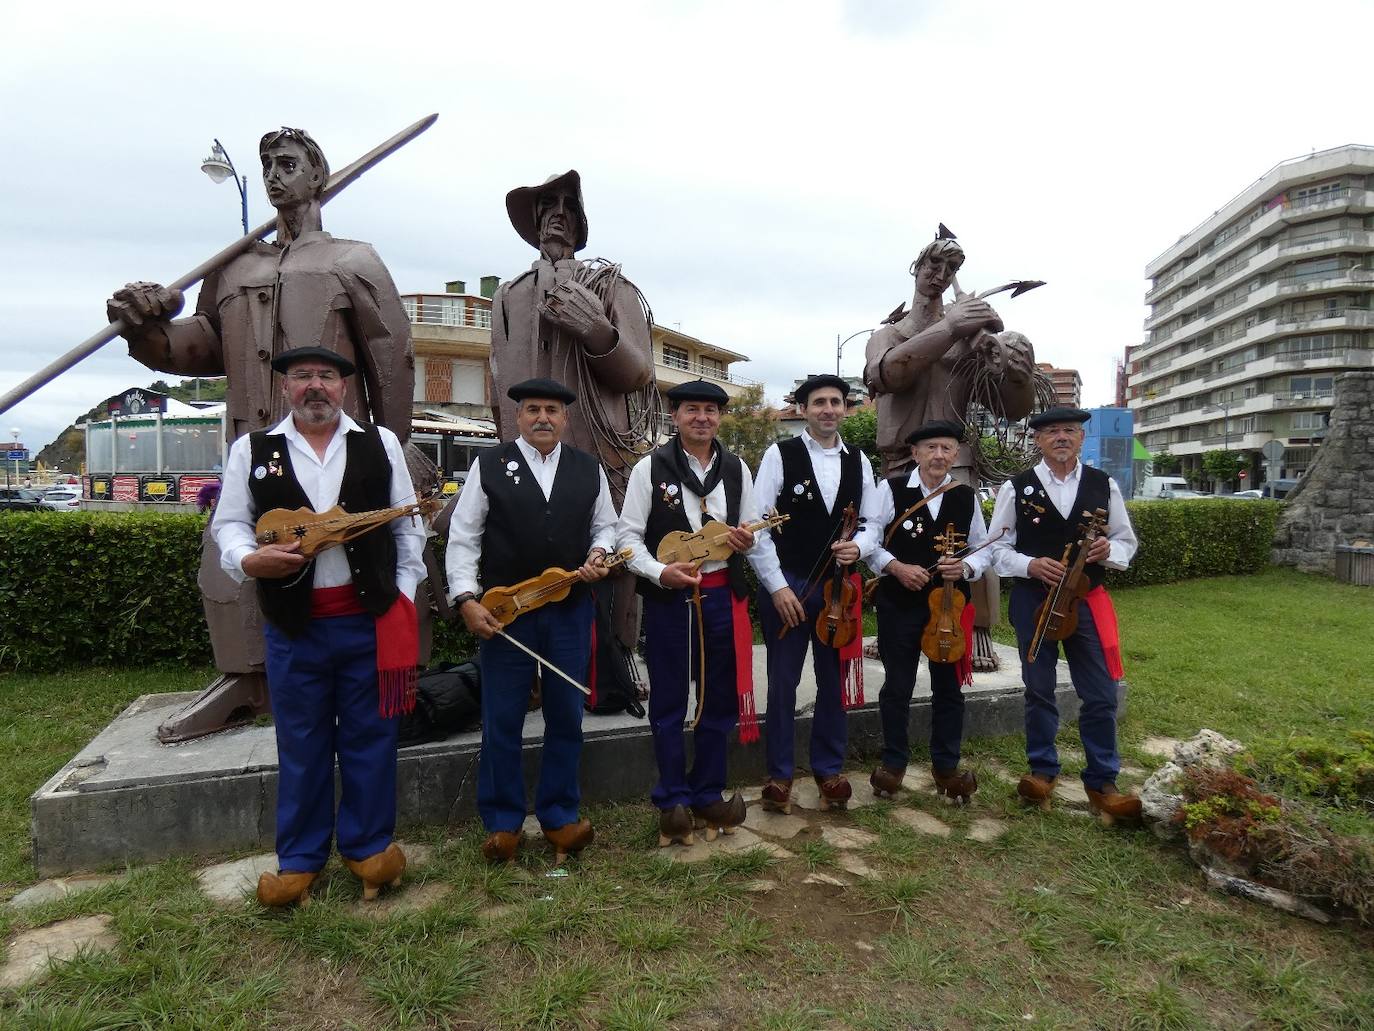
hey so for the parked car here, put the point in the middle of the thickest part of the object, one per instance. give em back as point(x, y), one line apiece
point(1252, 494)
point(19, 499)
point(62, 499)
point(1161, 487)
point(1179, 493)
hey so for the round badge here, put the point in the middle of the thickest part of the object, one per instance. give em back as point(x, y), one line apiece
point(1028, 490)
point(798, 489)
point(907, 525)
point(512, 466)
point(672, 490)
point(259, 472)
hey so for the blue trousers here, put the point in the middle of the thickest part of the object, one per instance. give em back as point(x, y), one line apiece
point(324, 703)
point(671, 655)
point(786, 657)
point(899, 646)
point(562, 633)
point(1095, 687)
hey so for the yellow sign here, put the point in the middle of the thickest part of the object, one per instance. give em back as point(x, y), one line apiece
point(157, 489)
point(100, 486)
point(450, 488)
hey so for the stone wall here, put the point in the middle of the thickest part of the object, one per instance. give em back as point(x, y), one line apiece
point(1334, 503)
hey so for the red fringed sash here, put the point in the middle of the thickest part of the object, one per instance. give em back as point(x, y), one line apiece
point(964, 668)
point(591, 670)
point(398, 643)
point(852, 654)
point(744, 657)
point(1099, 603)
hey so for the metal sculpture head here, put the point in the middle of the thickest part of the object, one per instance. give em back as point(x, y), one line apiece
point(294, 169)
point(935, 266)
point(550, 216)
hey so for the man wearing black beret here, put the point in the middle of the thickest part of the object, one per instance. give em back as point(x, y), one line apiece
point(1040, 511)
point(812, 478)
point(529, 505)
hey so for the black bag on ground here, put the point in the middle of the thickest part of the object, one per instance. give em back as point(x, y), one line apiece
point(448, 701)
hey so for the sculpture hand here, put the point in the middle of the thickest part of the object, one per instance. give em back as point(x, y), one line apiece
point(577, 311)
point(1018, 357)
point(135, 303)
point(969, 315)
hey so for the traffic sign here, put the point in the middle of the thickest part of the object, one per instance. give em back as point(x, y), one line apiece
point(16, 456)
point(1272, 450)
point(1242, 474)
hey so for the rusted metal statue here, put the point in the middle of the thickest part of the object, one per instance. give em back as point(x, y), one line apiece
point(932, 362)
point(583, 324)
point(304, 289)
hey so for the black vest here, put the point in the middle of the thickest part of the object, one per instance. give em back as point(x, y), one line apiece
point(915, 544)
point(525, 533)
point(366, 486)
point(1041, 532)
point(666, 512)
point(810, 530)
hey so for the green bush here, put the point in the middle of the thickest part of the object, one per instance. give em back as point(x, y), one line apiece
point(1193, 537)
point(1315, 768)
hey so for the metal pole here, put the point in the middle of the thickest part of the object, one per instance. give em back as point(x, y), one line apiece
point(243, 199)
point(158, 430)
point(839, 349)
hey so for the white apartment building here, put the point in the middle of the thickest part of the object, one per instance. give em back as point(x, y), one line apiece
point(1255, 311)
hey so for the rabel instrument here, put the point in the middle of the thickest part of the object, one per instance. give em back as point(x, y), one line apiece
point(552, 585)
point(943, 638)
point(836, 624)
point(1057, 617)
point(709, 544)
point(318, 531)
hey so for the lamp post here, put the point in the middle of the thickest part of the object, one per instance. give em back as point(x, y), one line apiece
point(839, 346)
point(219, 167)
point(16, 432)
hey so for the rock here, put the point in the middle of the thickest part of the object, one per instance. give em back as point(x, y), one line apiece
point(1071, 792)
point(824, 878)
point(533, 832)
point(918, 778)
point(1280, 900)
point(395, 901)
point(1207, 748)
point(852, 864)
point(1134, 772)
point(417, 854)
point(29, 954)
point(741, 840)
point(848, 837)
point(775, 825)
point(761, 887)
point(805, 794)
point(1159, 802)
point(60, 888)
point(921, 822)
point(986, 829)
point(751, 795)
point(863, 946)
point(1160, 746)
point(228, 883)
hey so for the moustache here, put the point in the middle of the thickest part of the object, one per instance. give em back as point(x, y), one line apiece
point(547, 427)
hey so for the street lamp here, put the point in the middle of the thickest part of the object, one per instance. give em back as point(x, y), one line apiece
point(1225, 407)
point(16, 432)
point(219, 167)
point(839, 346)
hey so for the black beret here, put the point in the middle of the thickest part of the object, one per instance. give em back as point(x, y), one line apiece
point(936, 428)
point(286, 359)
point(697, 390)
point(1059, 414)
point(815, 383)
point(548, 389)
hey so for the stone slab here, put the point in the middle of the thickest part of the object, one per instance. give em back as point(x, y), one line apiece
point(405, 899)
point(825, 878)
point(852, 864)
point(29, 954)
point(1160, 746)
point(921, 822)
point(229, 883)
point(986, 829)
point(848, 838)
point(59, 888)
point(1071, 792)
point(775, 825)
point(126, 798)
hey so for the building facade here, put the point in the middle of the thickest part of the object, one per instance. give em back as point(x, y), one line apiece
point(1255, 311)
point(1068, 385)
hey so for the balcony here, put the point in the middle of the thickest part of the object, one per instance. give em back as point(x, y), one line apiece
point(680, 369)
point(1325, 281)
point(449, 315)
point(1310, 319)
point(1286, 399)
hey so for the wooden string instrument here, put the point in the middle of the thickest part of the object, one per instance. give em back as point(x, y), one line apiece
point(836, 624)
point(505, 603)
point(1057, 617)
point(709, 544)
point(319, 531)
point(943, 638)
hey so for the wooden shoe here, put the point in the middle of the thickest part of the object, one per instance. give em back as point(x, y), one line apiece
point(383, 868)
point(281, 889)
point(569, 839)
point(501, 846)
point(777, 796)
point(720, 817)
point(1111, 806)
point(886, 781)
point(674, 827)
point(835, 791)
point(1037, 789)
point(956, 784)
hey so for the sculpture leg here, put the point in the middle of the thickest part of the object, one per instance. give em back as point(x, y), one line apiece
point(987, 601)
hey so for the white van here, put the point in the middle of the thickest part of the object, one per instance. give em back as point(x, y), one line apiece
point(1156, 487)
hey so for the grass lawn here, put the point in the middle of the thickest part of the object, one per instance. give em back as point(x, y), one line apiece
point(1058, 923)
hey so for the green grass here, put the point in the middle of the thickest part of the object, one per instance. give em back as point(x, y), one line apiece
point(1059, 924)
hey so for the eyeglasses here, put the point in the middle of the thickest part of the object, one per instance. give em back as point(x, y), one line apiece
point(305, 376)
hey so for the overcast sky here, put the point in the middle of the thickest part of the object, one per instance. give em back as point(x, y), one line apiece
point(764, 171)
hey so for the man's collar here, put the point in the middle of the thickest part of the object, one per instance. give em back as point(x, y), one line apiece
point(815, 445)
point(532, 455)
point(1073, 473)
point(288, 427)
point(914, 480)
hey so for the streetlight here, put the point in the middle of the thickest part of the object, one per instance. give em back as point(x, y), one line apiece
point(219, 167)
point(16, 433)
point(1225, 407)
point(839, 346)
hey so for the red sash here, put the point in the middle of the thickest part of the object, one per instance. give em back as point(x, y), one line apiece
point(1099, 603)
point(398, 643)
point(744, 656)
point(852, 654)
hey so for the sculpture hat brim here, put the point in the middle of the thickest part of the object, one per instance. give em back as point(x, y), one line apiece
point(520, 207)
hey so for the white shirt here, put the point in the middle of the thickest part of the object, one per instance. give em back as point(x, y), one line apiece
point(236, 515)
point(639, 494)
point(1061, 493)
point(469, 520)
point(883, 509)
point(825, 467)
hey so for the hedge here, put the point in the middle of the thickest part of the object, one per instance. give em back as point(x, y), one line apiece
point(105, 588)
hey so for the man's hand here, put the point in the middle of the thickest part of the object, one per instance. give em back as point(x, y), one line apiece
point(1048, 571)
point(1100, 549)
point(967, 316)
point(789, 609)
point(594, 568)
point(577, 311)
point(741, 539)
point(478, 620)
point(274, 561)
point(846, 552)
point(913, 578)
point(135, 303)
point(951, 568)
point(679, 574)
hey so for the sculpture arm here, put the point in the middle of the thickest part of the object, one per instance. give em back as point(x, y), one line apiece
point(893, 362)
point(629, 363)
point(385, 351)
point(189, 346)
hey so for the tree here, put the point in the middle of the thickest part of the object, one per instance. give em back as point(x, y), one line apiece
point(748, 426)
point(860, 430)
point(1222, 466)
point(1166, 464)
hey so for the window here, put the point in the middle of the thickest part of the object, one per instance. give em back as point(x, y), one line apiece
point(713, 367)
point(675, 357)
point(1309, 420)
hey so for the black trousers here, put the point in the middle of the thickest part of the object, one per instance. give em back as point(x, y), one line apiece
point(899, 647)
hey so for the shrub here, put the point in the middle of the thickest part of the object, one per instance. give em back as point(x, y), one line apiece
point(1314, 768)
point(1189, 538)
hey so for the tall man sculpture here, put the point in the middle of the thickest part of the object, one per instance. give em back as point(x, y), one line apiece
point(305, 289)
point(583, 325)
point(922, 365)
